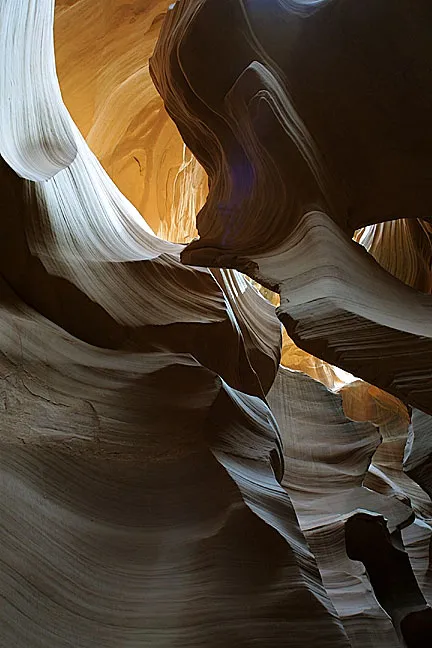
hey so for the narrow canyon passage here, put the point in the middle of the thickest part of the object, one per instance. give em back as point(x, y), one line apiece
point(215, 324)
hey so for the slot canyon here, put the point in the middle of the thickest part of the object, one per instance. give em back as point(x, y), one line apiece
point(216, 324)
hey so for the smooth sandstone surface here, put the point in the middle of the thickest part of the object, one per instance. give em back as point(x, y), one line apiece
point(166, 481)
point(305, 140)
point(102, 52)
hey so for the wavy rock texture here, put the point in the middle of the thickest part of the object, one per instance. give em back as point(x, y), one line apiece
point(138, 459)
point(339, 472)
point(165, 482)
point(102, 52)
point(326, 459)
point(418, 451)
point(295, 169)
point(36, 137)
point(387, 474)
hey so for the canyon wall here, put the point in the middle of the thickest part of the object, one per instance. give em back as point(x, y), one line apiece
point(176, 469)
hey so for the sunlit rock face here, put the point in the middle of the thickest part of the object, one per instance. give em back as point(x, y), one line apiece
point(102, 53)
point(175, 471)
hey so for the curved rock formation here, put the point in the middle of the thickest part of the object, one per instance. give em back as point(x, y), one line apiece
point(165, 482)
point(326, 459)
point(37, 137)
point(293, 174)
point(102, 52)
point(128, 513)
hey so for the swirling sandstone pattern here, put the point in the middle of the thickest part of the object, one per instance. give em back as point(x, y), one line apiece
point(165, 482)
point(102, 52)
point(293, 174)
point(127, 517)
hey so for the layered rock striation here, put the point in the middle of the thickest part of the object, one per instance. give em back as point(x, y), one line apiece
point(305, 140)
point(165, 480)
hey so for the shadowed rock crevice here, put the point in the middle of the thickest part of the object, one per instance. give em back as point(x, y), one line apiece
point(388, 567)
point(165, 481)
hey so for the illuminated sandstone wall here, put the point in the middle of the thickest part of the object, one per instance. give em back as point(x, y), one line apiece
point(102, 53)
point(165, 481)
point(312, 136)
